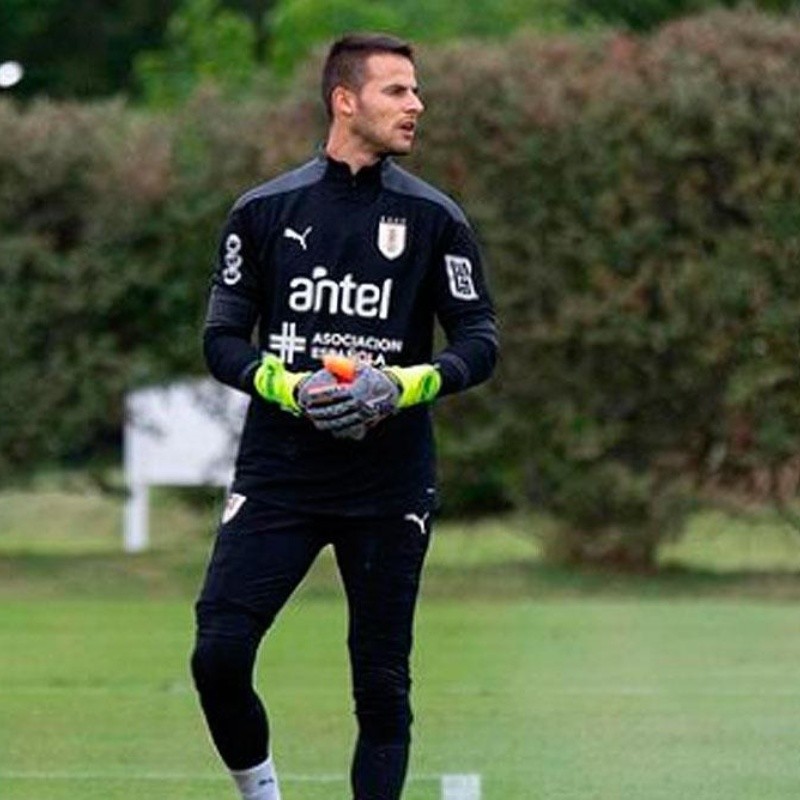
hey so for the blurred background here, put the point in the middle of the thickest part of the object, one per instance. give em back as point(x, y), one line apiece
point(632, 171)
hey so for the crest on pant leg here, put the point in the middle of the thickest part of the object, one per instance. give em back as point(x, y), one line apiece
point(232, 507)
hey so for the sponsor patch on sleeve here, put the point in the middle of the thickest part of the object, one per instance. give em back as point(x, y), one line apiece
point(459, 276)
point(232, 273)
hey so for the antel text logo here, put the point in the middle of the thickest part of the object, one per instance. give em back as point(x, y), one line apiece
point(347, 296)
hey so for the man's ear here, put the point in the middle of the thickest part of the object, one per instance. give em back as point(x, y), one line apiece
point(343, 102)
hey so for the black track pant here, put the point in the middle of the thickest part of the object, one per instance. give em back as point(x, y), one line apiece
point(259, 558)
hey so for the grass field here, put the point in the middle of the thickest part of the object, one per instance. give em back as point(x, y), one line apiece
point(552, 685)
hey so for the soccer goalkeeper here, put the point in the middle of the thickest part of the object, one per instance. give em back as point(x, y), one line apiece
point(348, 254)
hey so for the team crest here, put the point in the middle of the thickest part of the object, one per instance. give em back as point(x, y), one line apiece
point(232, 507)
point(392, 237)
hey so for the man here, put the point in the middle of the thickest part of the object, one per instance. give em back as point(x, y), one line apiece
point(348, 254)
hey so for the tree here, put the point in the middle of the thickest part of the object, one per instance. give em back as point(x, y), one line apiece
point(204, 41)
point(79, 48)
point(257, 11)
point(647, 14)
point(296, 26)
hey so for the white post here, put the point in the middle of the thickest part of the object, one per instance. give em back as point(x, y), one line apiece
point(136, 533)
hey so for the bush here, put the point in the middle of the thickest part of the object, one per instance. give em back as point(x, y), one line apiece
point(637, 202)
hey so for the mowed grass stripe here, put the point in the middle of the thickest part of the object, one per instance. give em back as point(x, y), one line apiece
point(556, 700)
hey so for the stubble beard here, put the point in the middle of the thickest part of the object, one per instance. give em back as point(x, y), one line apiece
point(377, 144)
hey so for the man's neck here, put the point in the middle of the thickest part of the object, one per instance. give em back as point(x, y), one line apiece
point(350, 151)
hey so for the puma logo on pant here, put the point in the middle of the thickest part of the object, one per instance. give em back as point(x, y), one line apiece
point(421, 521)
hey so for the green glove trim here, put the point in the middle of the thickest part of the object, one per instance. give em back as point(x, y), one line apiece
point(418, 384)
point(277, 384)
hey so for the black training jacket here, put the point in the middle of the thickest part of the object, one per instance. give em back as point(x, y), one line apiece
point(321, 260)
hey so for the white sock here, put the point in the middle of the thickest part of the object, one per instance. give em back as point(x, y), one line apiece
point(259, 782)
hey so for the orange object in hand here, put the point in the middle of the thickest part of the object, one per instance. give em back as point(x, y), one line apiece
point(341, 367)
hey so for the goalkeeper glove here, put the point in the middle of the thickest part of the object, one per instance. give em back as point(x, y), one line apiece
point(325, 400)
point(373, 395)
point(276, 384)
point(418, 384)
point(334, 409)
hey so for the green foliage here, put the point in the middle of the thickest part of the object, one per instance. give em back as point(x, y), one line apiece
point(637, 203)
point(108, 223)
point(81, 48)
point(647, 14)
point(204, 42)
point(642, 263)
point(297, 26)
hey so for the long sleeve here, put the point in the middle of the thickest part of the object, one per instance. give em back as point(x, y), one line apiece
point(227, 347)
point(466, 313)
point(232, 308)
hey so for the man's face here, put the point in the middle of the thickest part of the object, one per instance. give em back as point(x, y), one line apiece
point(387, 106)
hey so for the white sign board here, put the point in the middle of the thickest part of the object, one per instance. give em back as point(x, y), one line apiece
point(184, 434)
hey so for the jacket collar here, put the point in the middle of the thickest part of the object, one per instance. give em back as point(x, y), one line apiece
point(339, 172)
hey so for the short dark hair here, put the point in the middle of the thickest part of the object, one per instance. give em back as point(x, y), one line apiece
point(344, 65)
